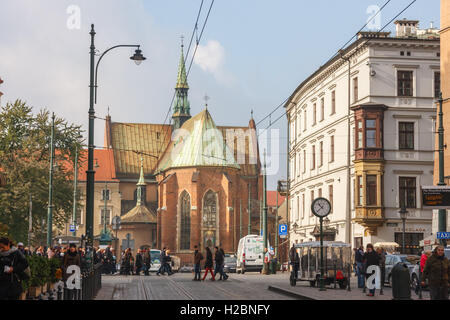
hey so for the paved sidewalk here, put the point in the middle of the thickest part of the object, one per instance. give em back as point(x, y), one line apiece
point(304, 292)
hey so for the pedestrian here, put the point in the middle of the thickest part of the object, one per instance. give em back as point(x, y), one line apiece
point(209, 264)
point(129, 262)
point(219, 260)
point(198, 257)
point(162, 258)
point(294, 260)
point(12, 271)
point(223, 265)
point(382, 263)
point(267, 260)
point(167, 263)
point(20, 248)
point(359, 256)
point(139, 262)
point(370, 258)
point(50, 253)
point(423, 259)
point(147, 261)
point(72, 257)
point(437, 272)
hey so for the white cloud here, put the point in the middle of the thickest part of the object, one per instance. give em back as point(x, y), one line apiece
point(211, 58)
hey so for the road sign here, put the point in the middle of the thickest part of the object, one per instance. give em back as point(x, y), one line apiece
point(436, 197)
point(443, 235)
point(283, 229)
point(72, 228)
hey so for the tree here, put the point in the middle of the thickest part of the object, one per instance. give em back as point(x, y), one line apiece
point(25, 165)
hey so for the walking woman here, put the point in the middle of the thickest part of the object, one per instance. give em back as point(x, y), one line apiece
point(209, 264)
point(371, 258)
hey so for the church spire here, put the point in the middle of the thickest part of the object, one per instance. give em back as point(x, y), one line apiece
point(141, 185)
point(181, 107)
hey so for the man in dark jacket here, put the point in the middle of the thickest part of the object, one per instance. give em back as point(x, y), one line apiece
point(294, 260)
point(437, 272)
point(72, 257)
point(359, 257)
point(370, 258)
point(219, 259)
point(198, 257)
point(139, 262)
point(12, 267)
point(162, 258)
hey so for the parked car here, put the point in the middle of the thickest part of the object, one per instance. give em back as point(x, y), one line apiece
point(187, 268)
point(230, 264)
point(393, 259)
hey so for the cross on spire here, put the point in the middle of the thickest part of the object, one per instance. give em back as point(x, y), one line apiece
point(182, 41)
point(206, 98)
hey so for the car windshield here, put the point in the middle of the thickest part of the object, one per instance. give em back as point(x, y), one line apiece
point(230, 260)
point(155, 256)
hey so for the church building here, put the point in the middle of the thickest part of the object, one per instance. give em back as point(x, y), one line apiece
point(188, 184)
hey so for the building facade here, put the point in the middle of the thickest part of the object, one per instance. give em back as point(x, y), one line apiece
point(362, 136)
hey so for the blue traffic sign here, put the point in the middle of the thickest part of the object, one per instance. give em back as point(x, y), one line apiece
point(283, 229)
point(72, 228)
point(443, 235)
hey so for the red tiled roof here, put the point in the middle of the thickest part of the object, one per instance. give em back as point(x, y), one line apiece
point(272, 199)
point(106, 169)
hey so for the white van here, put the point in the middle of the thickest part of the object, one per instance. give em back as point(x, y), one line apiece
point(250, 254)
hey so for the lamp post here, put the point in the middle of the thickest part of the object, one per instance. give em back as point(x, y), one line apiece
point(50, 186)
point(138, 58)
point(403, 215)
point(249, 211)
point(442, 225)
point(75, 186)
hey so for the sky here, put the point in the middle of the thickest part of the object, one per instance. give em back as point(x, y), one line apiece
point(252, 56)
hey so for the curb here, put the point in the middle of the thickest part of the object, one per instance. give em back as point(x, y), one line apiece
point(289, 293)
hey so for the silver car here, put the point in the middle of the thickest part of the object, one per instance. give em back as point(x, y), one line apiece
point(393, 259)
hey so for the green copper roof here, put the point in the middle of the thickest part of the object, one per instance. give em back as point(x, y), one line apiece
point(198, 144)
point(182, 78)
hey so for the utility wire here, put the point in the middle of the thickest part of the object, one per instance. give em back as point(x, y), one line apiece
point(367, 41)
point(370, 20)
point(192, 59)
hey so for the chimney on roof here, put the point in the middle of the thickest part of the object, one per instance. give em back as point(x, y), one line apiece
point(108, 140)
point(406, 28)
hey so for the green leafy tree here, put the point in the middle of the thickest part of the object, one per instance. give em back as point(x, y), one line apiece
point(25, 165)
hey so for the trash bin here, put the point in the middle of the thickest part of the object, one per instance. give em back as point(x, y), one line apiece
point(274, 266)
point(401, 282)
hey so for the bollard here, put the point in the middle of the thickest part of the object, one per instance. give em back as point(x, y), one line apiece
point(349, 280)
point(420, 284)
point(50, 295)
point(59, 293)
point(401, 282)
point(335, 274)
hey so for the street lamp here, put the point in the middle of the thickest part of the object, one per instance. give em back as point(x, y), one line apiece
point(138, 58)
point(403, 215)
point(50, 185)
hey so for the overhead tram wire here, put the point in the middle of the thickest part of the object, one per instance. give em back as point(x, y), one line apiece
point(370, 20)
point(367, 41)
point(192, 59)
point(187, 54)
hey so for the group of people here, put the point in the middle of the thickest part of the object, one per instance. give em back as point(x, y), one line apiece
point(434, 268)
point(219, 259)
point(130, 265)
point(14, 267)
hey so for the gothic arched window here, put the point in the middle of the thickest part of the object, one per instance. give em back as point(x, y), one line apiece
point(209, 209)
point(185, 236)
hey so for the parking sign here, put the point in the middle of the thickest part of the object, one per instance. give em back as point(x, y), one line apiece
point(282, 229)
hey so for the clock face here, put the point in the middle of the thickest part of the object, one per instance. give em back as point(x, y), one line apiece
point(321, 207)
